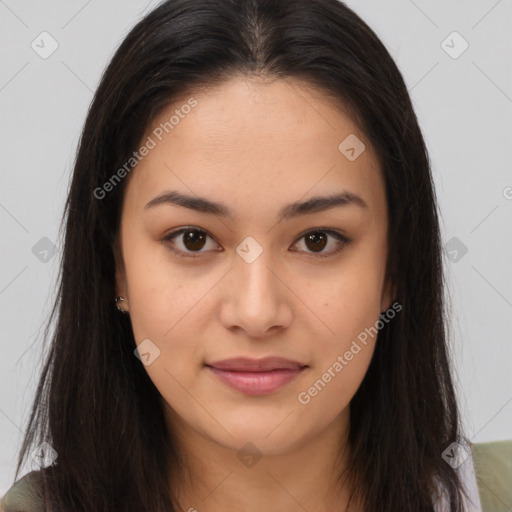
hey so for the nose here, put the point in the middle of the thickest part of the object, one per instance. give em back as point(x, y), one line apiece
point(257, 299)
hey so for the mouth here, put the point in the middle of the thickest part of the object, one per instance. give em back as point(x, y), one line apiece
point(256, 376)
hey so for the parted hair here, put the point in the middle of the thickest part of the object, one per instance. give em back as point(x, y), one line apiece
point(95, 404)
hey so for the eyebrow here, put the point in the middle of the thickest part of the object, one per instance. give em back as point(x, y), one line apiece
point(313, 205)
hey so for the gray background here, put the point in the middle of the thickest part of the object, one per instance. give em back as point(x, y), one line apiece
point(464, 105)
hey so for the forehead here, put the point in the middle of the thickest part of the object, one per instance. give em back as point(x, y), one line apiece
point(251, 143)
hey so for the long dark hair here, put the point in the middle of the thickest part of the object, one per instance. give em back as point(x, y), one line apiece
point(95, 404)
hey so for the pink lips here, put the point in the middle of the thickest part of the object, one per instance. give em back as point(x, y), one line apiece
point(256, 376)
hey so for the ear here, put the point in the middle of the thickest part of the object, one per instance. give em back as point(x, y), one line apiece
point(389, 293)
point(121, 286)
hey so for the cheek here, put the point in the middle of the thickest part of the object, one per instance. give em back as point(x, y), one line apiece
point(161, 294)
point(349, 307)
point(349, 300)
point(166, 307)
point(343, 354)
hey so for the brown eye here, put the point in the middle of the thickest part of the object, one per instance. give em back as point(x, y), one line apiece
point(186, 241)
point(193, 240)
point(317, 240)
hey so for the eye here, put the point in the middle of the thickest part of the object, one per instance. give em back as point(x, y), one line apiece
point(192, 240)
point(189, 239)
point(318, 239)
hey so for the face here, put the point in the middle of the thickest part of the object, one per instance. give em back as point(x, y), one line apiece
point(252, 276)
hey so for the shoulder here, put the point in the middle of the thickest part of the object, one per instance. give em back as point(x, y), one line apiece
point(24, 495)
point(492, 463)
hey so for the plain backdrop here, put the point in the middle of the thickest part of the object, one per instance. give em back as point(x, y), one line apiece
point(461, 86)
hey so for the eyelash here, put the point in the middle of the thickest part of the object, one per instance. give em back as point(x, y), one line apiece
point(338, 236)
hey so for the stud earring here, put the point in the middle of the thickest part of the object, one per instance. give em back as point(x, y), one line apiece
point(117, 301)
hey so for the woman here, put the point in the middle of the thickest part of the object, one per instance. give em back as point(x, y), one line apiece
point(250, 308)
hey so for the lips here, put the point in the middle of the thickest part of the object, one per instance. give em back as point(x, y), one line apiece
point(256, 376)
point(245, 364)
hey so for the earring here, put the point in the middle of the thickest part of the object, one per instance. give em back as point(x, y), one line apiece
point(117, 301)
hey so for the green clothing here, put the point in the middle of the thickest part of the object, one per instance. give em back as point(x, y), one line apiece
point(493, 469)
point(492, 463)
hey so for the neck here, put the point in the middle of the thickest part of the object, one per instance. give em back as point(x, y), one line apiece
point(214, 477)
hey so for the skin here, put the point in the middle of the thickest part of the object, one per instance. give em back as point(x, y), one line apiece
point(255, 146)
